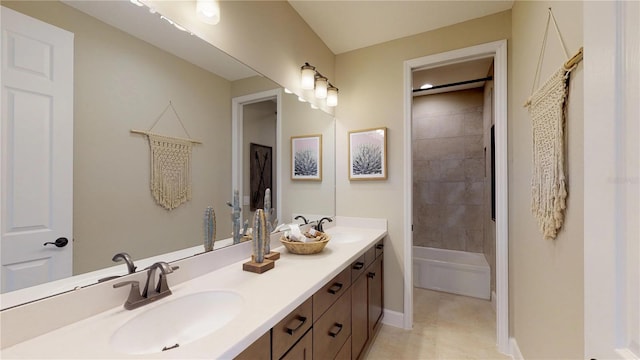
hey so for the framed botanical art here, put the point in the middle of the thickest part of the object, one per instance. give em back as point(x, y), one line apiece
point(368, 154)
point(306, 157)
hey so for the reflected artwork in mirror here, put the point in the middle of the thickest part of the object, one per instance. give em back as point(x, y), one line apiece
point(123, 77)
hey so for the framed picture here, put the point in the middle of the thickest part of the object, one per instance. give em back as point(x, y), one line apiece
point(260, 174)
point(306, 157)
point(368, 154)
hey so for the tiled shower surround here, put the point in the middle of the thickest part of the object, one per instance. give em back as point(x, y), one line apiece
point(448, 171)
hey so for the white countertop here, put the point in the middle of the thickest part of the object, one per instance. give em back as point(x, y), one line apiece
point(268, 298)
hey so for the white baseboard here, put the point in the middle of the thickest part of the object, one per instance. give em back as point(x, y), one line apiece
point(393, 318)
point(494, 303)
point(515, 350)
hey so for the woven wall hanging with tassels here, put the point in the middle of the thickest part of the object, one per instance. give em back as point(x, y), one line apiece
point(547, 107)
point(170, 165)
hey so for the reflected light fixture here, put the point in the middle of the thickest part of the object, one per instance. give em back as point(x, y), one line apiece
point(321, 87)
point(136, 3)
point(332, 96)
point(307, 76)
point(208, 11)
point(311, 79)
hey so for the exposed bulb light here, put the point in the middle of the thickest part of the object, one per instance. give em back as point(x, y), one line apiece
point(321, 87)
point(332, 96)
point(307, 76)
point(208, 11)
point(287, 91)
point(136, 3)
point(301, 99)
point(313, 106)
point(426, 86)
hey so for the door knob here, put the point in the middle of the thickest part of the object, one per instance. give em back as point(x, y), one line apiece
point(60, 242)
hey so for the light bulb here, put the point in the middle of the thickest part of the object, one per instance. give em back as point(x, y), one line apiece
point(321, 87)
point(332, 96)
point(208, 11)
point(307, 76)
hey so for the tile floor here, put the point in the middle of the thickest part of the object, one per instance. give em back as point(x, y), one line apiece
point(446, 326)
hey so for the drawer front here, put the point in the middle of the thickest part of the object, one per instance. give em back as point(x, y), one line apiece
point(329, 293)
point(357, 268)
point(369, 256)
point(333, 329)
point(291, 328)
point(303, 350)
point(345, 352)
point(379, 248)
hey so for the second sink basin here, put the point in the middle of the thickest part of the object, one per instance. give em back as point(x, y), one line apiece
point(177, 322)
point(342, 237)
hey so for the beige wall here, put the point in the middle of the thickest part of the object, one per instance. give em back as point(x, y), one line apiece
point(448, 172)
point(546, 276)
point(371, 95)
point(122, 83)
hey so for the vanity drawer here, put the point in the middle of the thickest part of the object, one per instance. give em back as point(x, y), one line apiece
point(291, 328)
point(379, 248)
point(357, 268)
point(303, 350)
point(329, 293)
point(369, 256)
point(333, 328)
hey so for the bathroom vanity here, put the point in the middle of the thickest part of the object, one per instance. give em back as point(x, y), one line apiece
point(328, 305)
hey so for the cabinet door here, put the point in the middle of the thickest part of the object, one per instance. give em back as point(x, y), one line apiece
point(359, 315)
point(303, 350)
point(259, 350)
point(374, 277)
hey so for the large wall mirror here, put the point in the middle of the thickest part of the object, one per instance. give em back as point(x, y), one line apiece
point(125, 78)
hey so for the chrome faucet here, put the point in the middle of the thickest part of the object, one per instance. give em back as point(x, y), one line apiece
point(151, 292)
point(127, 259)
point(319, 224)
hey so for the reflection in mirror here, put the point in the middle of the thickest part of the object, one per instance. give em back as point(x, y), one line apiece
point(123, 83)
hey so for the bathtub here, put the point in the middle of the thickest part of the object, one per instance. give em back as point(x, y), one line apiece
point(453, 271)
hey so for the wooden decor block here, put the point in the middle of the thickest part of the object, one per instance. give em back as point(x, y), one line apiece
point(258, 268)
point(274, 255)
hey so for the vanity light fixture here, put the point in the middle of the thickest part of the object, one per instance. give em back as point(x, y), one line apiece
point(321, 87)
point(208, 11)
point(332, 96)
point(308, 76)
point(311, 79)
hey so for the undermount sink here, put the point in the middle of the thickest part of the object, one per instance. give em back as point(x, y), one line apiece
point(177, 322)
point(344, 237)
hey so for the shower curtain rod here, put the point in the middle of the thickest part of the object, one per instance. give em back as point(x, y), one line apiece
point(454, 84)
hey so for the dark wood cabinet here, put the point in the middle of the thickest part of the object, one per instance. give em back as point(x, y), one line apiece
point(338, 322)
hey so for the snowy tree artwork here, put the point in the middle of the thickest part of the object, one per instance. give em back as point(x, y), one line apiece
point(368, 154)
point(306, 157)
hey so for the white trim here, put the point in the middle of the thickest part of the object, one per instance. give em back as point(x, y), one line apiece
point(494, 303)
point(497, 50)
point(237, 105)
point(393, 318)
point(515, 350)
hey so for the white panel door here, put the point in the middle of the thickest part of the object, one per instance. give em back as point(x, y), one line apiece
point(36, 150)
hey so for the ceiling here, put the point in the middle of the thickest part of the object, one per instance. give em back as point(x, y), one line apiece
point(454, 77)
point(351, 25)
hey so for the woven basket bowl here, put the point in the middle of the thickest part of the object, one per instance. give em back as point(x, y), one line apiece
point(308, 248)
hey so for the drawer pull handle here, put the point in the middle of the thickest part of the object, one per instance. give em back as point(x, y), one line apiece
point(302, 319)
point(335, 288)
point(371, 275)
point(335, 333)
point(379, 246)
point(359, 265)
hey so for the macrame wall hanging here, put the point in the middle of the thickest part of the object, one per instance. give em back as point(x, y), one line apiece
point(547, 107)
point(170, 165)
